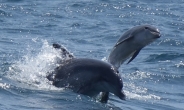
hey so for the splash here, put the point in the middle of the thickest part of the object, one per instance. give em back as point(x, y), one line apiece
point(180, 64)
point(33, 68)
point(136, 90)
point(4, 85)
point(141, 94)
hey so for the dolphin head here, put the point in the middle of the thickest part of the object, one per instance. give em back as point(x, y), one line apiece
point(112, 82)
point(131, 42)
point(116, 89)
point(144, 35)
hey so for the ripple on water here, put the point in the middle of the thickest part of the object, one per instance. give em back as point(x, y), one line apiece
point(164, 57)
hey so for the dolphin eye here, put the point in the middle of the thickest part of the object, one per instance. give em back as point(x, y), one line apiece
point(145, 27)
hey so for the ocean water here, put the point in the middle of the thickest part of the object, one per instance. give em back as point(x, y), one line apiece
point(89, 28)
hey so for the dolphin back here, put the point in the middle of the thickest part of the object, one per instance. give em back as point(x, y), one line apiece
point(86, 76)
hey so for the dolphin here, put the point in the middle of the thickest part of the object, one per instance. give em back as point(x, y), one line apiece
point(131, 43)
point(90, 77)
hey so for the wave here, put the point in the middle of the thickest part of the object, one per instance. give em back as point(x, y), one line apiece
point(148, 86)
point(164, 57)
point(135, 86)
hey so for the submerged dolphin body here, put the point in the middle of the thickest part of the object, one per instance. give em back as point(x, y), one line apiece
point(131, 42)
point(90, 77)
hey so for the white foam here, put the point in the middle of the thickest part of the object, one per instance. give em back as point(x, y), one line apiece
point(139, 96)
point(136, 91)
point(180, 64)
point(32, 69)
point(4, 85)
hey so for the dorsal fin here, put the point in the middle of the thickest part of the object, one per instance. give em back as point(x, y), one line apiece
point(64, 51)
point(57, 46)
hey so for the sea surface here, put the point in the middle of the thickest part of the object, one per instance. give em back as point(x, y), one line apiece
point(89, 29)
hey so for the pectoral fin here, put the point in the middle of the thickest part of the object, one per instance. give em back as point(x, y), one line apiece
point(134, 55)
point(104, 97)
point(123, 40)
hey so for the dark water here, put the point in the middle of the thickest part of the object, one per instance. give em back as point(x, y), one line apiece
point(154, 80)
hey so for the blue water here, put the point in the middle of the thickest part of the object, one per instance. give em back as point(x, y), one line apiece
point(153, 81)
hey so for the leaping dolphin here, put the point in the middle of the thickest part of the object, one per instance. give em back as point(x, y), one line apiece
point(90, 76)
point(131, 43)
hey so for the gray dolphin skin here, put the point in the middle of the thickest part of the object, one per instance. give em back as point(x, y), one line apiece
point(90, 76)
point(131, 42)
